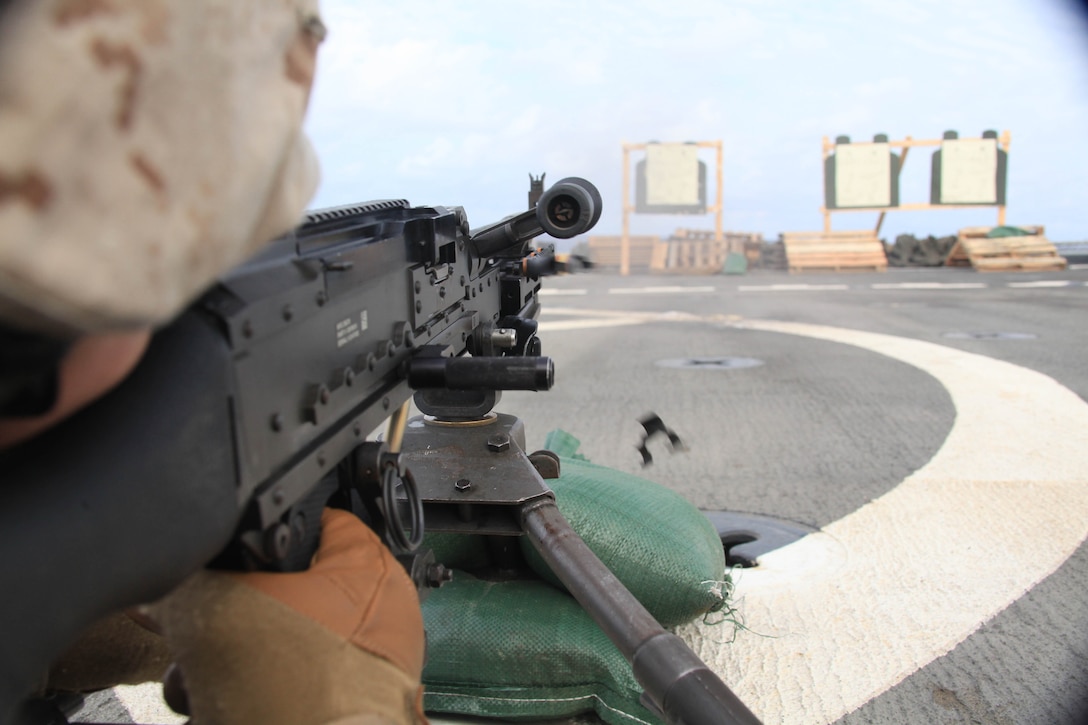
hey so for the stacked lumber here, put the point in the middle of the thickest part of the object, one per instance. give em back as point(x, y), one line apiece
point(647, 253)
point(1032, 252)
point(838, 251)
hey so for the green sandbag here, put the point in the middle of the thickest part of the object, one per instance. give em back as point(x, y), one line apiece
point(1007, 231)
point(735, 263)
point(663, 549)
point(522, 650)
point(563, 444)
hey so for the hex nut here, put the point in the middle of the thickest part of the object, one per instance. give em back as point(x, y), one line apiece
point(498, 443)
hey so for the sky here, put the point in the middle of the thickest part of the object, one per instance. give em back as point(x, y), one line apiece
point(457, 103)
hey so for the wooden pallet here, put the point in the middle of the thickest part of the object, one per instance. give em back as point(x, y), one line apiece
point(647, 253)
point(772, 255)
point(696, 251)
point(1031, 253)
point(834, 251)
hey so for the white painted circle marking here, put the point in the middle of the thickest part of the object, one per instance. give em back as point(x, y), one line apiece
point(999, 507)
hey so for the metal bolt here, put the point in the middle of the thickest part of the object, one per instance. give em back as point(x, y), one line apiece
point(463, 484)
point(546, 464)
point(323, 395)
point(277, 497)
point(277, 422)
point(437, 575)
point(277, 542)
point(498, 443)
point(349, 376)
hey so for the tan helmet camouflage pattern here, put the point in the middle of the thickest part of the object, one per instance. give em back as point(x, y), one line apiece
point(146, 146)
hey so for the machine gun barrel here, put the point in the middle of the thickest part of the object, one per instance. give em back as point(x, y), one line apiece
point(678, 684)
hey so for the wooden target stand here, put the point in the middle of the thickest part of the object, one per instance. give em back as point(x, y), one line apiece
point(716, 208)
point(906, 145)
point(864, 250)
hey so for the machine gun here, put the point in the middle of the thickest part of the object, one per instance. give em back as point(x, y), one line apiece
point(252, 411)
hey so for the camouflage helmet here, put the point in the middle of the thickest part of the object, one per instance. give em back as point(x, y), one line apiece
point(145, 147)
